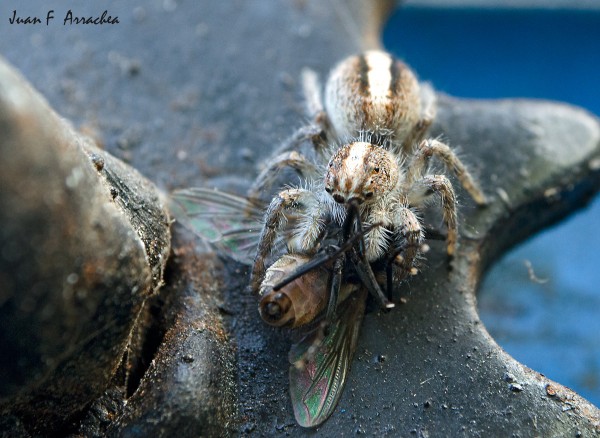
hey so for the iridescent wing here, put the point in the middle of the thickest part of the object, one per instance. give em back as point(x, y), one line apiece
point(320, 366)
point(231, 223)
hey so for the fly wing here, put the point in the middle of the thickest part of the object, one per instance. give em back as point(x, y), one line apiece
point(229, 222)
point(320, 364)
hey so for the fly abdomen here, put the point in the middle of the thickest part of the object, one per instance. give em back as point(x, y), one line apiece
point(298, 302)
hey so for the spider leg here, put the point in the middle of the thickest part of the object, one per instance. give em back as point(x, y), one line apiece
point(410, 237)
point(311, 87)
point(417, 134)
point(429, 148)
point(267, 177)
point(428, 112)
point(440, 184)
point(275, 219)
point(287, 155)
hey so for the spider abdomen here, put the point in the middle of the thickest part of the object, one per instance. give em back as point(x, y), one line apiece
point(372, 93)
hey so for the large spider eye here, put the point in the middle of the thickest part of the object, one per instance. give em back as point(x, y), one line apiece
point(376, 169)
point(368, 195)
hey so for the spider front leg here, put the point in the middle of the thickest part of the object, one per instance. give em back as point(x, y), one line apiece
point(440, 185)
point(409, 237)
point(420, 162)
point(303, 204)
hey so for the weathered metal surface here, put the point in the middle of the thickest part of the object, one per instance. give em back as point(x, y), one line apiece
point(223, 94)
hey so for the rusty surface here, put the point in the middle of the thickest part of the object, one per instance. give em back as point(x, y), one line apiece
point(223, 94)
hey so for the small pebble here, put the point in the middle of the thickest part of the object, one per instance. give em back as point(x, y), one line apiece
point(515, 387)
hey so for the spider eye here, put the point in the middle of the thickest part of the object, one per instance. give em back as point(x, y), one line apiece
point(368, 195)
point(328, 189)
point(376, 169)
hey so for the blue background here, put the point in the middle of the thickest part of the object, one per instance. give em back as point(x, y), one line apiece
point(551, 326)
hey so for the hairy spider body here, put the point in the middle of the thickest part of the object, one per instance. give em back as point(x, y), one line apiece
point(376, 109)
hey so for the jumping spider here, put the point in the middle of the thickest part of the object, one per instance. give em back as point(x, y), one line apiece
point(376, 109)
